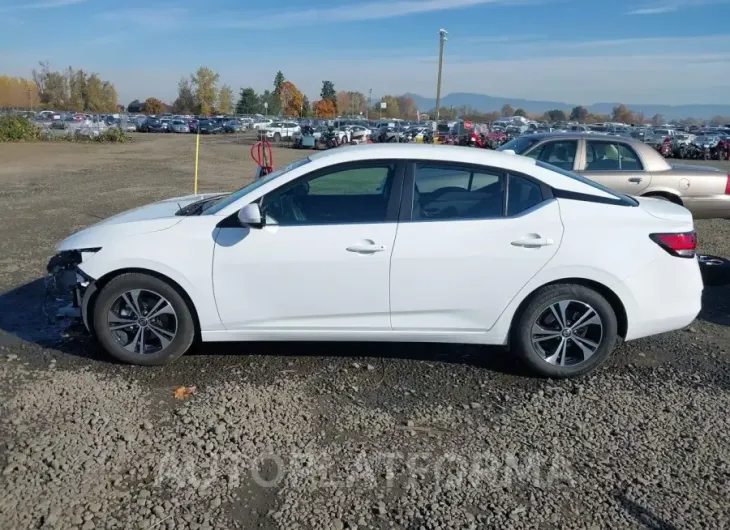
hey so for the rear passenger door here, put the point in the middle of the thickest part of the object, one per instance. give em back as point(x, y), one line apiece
point(616, 165)
point(468, 240)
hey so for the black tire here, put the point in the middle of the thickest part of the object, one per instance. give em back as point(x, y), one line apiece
point(277, 137)
point(110, 293)
point(541, 301)
point(715, 270)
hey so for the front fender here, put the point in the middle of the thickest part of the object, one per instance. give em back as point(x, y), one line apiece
point(201, 297)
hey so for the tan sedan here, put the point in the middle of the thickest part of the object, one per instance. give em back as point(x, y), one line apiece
point(631, 167)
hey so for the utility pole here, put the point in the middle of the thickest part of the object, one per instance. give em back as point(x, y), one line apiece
point(442, 40)
point(370, 104)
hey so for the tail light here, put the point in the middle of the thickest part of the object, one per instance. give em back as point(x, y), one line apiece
point(727, 185)
point(681, 245)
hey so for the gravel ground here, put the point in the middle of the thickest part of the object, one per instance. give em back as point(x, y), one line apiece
point(329, 435)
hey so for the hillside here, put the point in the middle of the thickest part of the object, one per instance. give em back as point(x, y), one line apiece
point(485, 103)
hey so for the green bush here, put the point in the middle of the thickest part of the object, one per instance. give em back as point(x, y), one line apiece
point(18, 129)
point(113, 135)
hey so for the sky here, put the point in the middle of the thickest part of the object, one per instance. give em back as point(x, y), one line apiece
point(573, 51)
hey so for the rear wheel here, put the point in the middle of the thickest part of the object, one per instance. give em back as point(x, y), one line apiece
point(566, 330)
point(277, 137)
point(140, 319)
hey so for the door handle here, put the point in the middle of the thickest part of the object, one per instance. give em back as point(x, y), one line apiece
point(366, 247)
point(533, 241)
point(635, 180)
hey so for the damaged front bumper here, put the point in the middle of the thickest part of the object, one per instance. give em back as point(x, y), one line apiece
point(68, 286)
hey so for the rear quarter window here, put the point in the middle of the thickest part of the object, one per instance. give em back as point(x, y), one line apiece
point(623, 199)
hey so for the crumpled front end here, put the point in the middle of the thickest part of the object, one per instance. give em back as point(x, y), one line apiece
point(66, 285)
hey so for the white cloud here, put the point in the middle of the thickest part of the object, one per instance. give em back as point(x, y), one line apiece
point(350, 13)
point(653, 10)
point(671, 6)
point(43, 4)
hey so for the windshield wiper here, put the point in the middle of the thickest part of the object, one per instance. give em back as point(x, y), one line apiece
point(198, 207)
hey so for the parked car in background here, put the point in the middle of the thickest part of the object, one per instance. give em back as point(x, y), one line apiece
point(232, 126)
point(632, 167)
point(209, 127)
point(153, 125)
point(262, 123)
point(280, 130)
point(179, 126)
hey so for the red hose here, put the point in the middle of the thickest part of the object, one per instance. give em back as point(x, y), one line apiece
point(263, 150)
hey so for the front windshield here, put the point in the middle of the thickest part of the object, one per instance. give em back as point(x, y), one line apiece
point(233, 197)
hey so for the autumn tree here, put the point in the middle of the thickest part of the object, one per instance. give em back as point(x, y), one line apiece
point(343, 102)
point(205, 89)
point(328, 92)
point(391, 109)
point(18, 93)
point(406, 107)
point(73, 90)
point(185, 102)
point(290, 99)
point(507, 111)
point(579, 114)
point(153, 106)
point(325, 108)
point(622, 114)
point(225, 100)
point(490, 117)
point(521, 112)
point(248, 101)
point(78, 90)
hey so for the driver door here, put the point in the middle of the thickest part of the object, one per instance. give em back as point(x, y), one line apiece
point(321, 262)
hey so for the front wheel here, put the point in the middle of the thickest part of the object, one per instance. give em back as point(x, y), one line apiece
point(277, 137)
point(566, 330)
point(140, 319)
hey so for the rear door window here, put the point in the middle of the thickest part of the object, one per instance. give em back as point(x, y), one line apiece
point(611, 156)
point(559, 153)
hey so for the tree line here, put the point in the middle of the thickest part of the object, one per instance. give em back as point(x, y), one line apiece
point(70, 90)
point(201, 93)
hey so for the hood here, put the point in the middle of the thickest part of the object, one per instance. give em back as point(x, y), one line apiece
point(156, 210)
point(149, 218)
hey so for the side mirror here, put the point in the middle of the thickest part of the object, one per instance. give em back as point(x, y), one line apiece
point(250, 216)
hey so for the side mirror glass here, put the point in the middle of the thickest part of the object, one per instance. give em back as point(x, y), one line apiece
point(250, 216)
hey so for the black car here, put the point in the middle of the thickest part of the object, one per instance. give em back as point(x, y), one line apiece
point(153, 125)
point(209, 127)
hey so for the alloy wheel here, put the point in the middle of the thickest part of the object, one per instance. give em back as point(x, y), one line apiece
point(142, 321)
point(567, 333)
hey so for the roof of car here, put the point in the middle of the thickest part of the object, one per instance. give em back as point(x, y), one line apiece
point(467, 155)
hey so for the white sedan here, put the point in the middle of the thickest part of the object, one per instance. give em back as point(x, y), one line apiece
point(393, 243)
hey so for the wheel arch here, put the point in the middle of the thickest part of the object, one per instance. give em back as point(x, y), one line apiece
point(101, 282)
point(672, 197)
point(611, 297)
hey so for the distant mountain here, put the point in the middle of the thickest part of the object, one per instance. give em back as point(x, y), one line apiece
point(485, 103)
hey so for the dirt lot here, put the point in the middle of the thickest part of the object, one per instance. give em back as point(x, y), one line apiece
point(329, 435)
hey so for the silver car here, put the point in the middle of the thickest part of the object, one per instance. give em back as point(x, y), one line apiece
point(179, 126)
point(632, 167)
